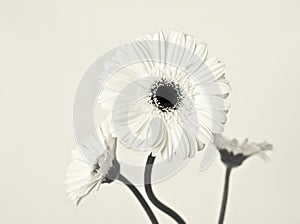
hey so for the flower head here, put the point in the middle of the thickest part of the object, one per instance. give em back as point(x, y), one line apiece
point(233, 153)
point(84, 177)
point(171, 100)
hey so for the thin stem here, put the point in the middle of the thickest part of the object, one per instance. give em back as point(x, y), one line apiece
point(140, 197)
point(225, 195)
point(152, 197)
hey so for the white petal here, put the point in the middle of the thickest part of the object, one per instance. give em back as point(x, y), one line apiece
point(159, 35)
point(198, 59)
point(106, 99)
point(156, 134)
point(211, 102)
point(184, 52)
point(201, 51)
point(176, 38)
point(79, 180)
point(210, 153)
point(211, 71)
point(216, 88)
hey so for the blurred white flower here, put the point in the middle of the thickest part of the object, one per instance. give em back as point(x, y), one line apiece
point(234, 153)
point(177, 84)
point(83, 177)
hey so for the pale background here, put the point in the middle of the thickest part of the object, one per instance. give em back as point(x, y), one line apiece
point(45, 48)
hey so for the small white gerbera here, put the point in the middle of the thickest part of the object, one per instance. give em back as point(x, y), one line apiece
point(171, 100)
point(83, 177)
point(234, 154)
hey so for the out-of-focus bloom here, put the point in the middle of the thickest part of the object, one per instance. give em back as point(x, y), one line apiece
point(234, 153)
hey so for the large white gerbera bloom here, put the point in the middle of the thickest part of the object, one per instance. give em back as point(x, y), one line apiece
point(171, 100)
point(234, 153)
point(83, 177)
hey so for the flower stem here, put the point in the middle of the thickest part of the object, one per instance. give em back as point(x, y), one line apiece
point(225, 194)
point(140, 197)
point(152, 197)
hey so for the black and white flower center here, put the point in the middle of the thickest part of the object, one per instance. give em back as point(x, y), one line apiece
point(165, 95)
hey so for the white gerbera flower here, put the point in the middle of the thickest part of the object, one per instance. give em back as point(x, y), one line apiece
point(170, 101)
point(234, 154)
point(84, 177)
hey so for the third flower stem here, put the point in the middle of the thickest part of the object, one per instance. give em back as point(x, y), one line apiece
point(152, 197)
point(225, 195)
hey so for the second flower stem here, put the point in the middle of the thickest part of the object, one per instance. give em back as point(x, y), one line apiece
point(152, 197)
point(225, 195)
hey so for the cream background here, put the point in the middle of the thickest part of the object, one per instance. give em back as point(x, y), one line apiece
point(45, 48)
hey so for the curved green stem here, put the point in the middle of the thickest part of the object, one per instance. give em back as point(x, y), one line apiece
point(140, 198)
point(152, 197)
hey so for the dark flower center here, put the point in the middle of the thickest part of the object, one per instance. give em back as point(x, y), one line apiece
point(230, 159)
point(111, 174)
point(165, 95)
